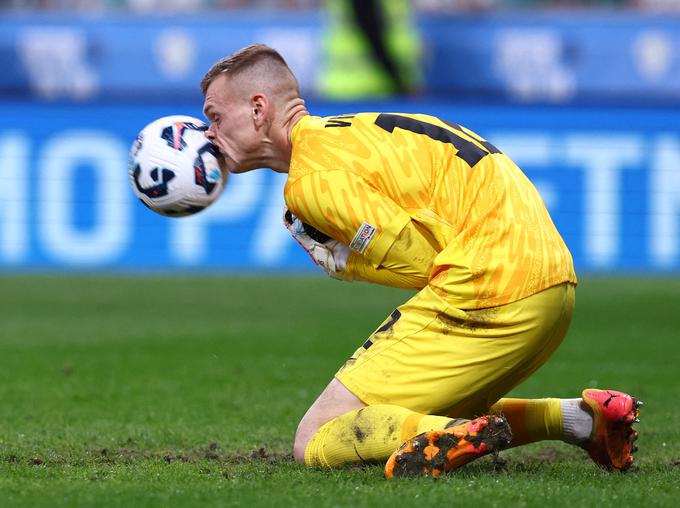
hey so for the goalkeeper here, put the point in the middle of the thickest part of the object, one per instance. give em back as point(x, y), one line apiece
point(416, 202)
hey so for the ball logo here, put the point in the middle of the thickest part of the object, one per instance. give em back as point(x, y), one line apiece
point(174, 134)
point(136, 146)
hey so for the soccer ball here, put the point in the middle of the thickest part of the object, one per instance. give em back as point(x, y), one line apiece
point(174, 168)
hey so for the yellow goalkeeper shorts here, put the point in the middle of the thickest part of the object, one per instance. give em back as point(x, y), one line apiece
point(433, 358)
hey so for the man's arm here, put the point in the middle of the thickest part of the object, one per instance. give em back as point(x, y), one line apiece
point(406, 265)
point(349, 210)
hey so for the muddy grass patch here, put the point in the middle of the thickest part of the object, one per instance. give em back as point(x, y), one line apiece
point(213, 452)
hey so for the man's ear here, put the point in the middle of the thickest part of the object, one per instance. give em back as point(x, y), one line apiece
point(260, 109)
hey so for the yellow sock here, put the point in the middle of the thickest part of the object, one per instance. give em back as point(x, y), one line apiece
point(369, 434)
point(531, 420)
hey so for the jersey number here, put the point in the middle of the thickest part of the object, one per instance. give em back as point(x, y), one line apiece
point(467, 150)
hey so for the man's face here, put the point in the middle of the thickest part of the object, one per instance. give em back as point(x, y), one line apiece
point(232, 128)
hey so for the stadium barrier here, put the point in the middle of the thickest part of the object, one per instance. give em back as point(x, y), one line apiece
point(557, 57)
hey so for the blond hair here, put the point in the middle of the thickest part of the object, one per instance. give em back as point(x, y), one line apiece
point(250, 57)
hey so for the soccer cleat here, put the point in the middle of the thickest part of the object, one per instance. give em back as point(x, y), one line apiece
point(611, 444)
point(438, 451)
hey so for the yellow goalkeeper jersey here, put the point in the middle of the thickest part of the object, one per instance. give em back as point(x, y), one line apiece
point(362, 178)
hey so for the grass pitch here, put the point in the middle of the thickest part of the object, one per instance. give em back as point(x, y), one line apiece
point(186, 392)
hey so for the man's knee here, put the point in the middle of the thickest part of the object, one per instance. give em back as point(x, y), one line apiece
point(303, 436)
point(334, 401)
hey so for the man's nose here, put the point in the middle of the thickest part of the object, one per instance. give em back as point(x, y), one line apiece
point(210, 132)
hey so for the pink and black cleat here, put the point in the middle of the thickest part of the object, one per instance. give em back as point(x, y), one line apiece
point(611, 444)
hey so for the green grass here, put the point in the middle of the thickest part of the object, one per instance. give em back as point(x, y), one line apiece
point(186, 392)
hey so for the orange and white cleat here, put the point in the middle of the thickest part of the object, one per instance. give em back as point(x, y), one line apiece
point(438, 451)
point(611, 444)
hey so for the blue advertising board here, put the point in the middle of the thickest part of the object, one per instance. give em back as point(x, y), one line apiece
point(610, 178)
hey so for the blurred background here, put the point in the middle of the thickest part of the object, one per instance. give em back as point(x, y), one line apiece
point(583, 95)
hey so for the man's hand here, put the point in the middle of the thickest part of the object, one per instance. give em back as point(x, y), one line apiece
point(329, 254)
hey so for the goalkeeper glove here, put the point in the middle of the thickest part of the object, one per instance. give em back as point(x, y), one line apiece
point(329, 254)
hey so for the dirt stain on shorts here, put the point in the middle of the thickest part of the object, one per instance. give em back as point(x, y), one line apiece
point(476, 319)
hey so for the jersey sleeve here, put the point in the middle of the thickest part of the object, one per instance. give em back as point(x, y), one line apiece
point(361, 270)
point(346, 208)
point(407, 264)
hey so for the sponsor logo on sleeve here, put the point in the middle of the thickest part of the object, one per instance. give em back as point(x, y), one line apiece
point(362, 238)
